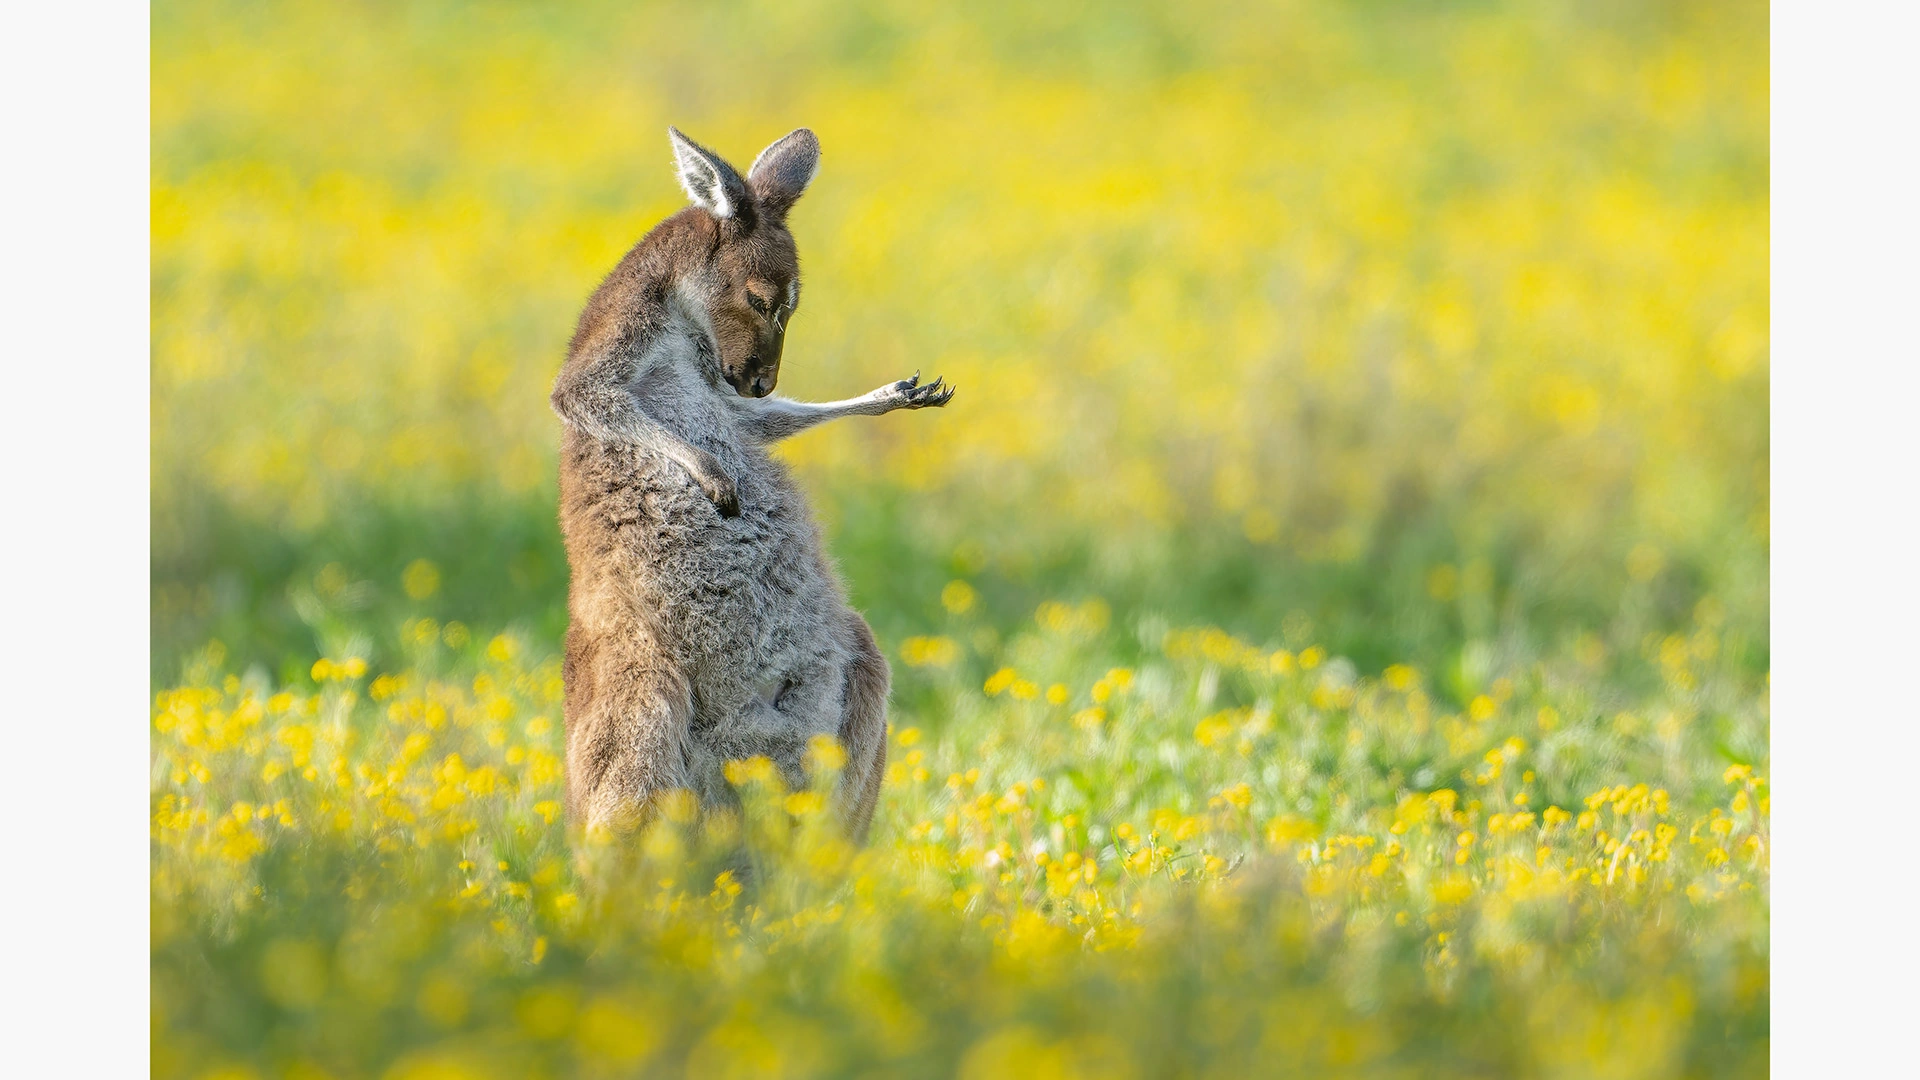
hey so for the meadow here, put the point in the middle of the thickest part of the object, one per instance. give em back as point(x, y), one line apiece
point(1329, 626)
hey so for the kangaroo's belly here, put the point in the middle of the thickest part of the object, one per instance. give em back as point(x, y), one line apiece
point(748, 605)
point(768, 655)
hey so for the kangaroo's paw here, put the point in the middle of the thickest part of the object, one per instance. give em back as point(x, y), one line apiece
point(714, 482)
point(720, 489)
point(932, 395)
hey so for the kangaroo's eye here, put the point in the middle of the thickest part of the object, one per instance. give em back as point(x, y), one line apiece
point(756, 303)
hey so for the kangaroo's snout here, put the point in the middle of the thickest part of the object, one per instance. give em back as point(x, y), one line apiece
point(754, 380)
point(756, 375)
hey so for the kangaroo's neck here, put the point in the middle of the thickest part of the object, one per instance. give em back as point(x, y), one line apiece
point(687, 318)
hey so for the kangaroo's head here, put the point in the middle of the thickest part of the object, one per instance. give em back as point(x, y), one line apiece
point(750, 282)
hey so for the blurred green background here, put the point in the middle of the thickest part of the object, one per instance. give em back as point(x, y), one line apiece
point(1429, 332)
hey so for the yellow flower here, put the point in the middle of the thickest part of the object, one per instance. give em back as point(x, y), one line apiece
point(825, 752)
point(957, 597)
point(501, 649)
point(753, 770)
point(931, 652)
point(1214, 728)
point(421, 579)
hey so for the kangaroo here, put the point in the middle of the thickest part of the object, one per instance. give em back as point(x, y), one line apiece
point(705, 622)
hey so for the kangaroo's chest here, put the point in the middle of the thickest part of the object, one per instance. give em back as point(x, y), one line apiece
point(741, 586)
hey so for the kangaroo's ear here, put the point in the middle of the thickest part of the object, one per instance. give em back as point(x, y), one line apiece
point(783, 170)
point(711, 183)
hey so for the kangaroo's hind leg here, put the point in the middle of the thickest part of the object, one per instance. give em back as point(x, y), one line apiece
point(863, 730)
point(628, 715)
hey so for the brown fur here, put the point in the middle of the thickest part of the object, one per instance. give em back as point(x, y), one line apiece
point(706, 622)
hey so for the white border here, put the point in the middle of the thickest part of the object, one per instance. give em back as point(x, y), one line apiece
point(1846, 569)
point(74, 439)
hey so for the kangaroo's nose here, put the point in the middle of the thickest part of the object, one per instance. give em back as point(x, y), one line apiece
point(762, 386)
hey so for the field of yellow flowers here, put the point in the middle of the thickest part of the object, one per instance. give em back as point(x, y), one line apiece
point(1329, 627)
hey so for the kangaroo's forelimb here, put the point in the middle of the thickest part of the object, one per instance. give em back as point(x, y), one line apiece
point(593, 393)
point(775, 418)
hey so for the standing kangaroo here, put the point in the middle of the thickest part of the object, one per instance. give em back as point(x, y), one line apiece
point(705, 622)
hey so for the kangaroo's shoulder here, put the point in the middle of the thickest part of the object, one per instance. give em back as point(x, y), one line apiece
point(639, 300)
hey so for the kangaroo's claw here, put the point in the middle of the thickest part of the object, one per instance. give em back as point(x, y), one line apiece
point(929, 395)
point(713, 481)
point(724, 495)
